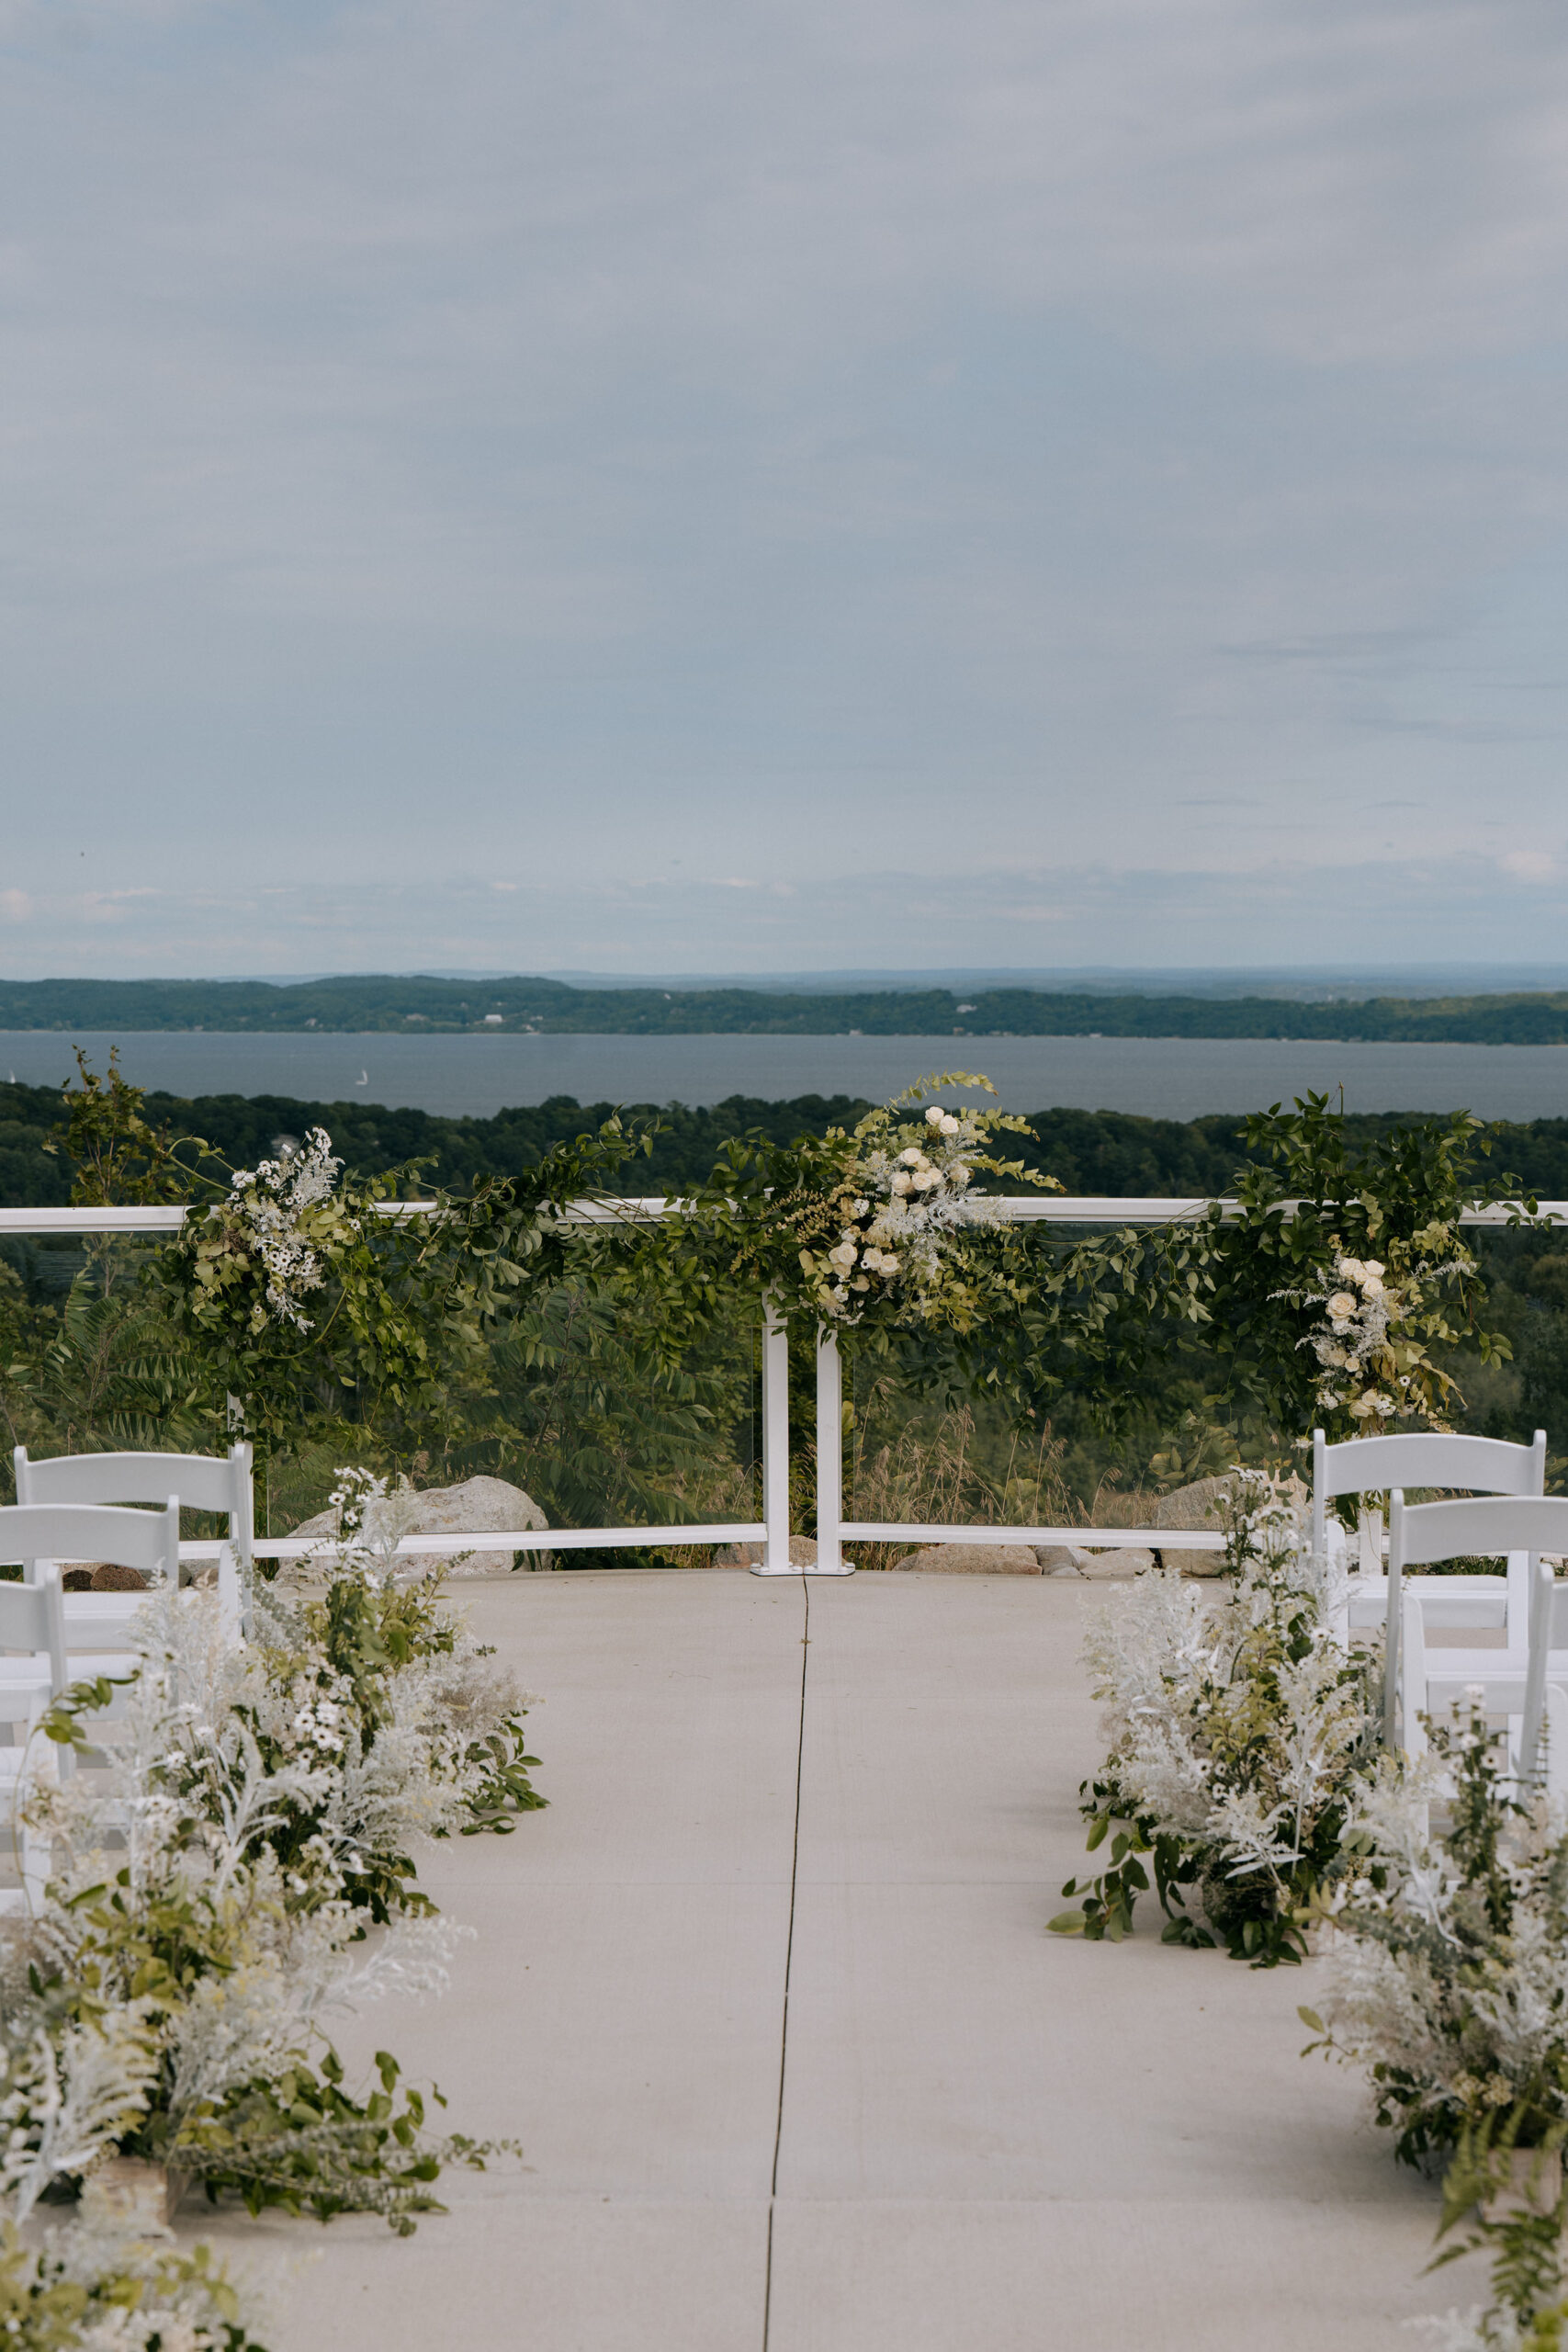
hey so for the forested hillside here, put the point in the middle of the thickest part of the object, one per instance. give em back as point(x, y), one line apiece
point(1091, 1152)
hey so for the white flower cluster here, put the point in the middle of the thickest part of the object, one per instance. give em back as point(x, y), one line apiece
point(269, 1205)
point(1356, 1313)
point(899, 1210)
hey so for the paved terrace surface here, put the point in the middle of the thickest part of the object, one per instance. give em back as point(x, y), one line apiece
point(767, 1995)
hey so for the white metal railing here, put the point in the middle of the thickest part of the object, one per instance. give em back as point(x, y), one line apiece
point(771, 1531)
point(1017, 1208)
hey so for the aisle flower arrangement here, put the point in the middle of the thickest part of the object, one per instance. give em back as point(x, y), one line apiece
point(1237, 1734)
point(111, 2280)
point(240, 1818)
point(1448, 1958)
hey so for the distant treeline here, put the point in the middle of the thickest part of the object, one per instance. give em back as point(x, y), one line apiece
point(415, 1003)
point(1090, 1151)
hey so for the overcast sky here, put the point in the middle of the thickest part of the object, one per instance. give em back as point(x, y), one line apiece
point(697, 484)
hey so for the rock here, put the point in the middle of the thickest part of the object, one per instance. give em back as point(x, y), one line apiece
point(101, 1576)
point(1062, 1560)
point(477, 1507)
point(1127, 1563)
point(802, 1553)
point(1198, 1505)
point(972, 1560)
point(1191, 1506)
point(110, 1577)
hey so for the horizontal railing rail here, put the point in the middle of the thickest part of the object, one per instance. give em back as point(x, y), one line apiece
point(772, 1531)
point(1020, 1209)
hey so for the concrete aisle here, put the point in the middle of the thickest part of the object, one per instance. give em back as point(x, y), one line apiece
point(990, 2140)
point(994, 2137)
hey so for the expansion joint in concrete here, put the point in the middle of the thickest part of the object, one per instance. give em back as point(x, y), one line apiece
point(789, 1954)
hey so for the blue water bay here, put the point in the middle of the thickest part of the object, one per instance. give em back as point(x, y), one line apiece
point(477, 1076)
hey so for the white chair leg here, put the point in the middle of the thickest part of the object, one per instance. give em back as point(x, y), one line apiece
point(1554, 1731)
point(230, 1611)
point(1412, 1676)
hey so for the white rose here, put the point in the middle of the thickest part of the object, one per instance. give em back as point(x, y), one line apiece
point(902, 1181)
point(950, 1125)
point(1374, 1266)
point(933, 1117)
point(844, 1255)
point(1352, 1268)
point(913, 1157)
point(1342, 1305)
point(1372, 1287)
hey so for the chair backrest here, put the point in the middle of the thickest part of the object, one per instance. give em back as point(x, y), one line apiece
point(1485, 1465)
point(1486, 1526)
point(148, 1540)
point(216, 1482)
point(32, 1618)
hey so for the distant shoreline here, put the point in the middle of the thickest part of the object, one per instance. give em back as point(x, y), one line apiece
point(382, 1006)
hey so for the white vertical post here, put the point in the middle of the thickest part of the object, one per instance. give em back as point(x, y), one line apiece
point(830, 1560)
point(775, 1559)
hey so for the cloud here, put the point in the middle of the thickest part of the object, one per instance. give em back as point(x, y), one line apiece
point(1087, 915)
point(1532, 864)
point(777, 441)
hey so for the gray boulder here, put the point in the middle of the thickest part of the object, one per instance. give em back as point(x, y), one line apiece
point(1193, 1507)
point(972, 1560)
point(802, 1553)
point(1196, 1506)
point(478, 1505)
point(1131, 1562)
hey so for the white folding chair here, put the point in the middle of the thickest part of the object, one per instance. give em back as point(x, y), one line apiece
point(1429, 1679)
point(32, 1623)
point(1481, 1466)
point(1536, 1702)
point(41, 1534)
point(211, 1482)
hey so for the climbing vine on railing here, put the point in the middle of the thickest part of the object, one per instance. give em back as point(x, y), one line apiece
point(1260, 1280)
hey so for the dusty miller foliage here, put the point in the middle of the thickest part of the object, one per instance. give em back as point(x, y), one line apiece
point(1448, 1957)
point(109, 2282)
